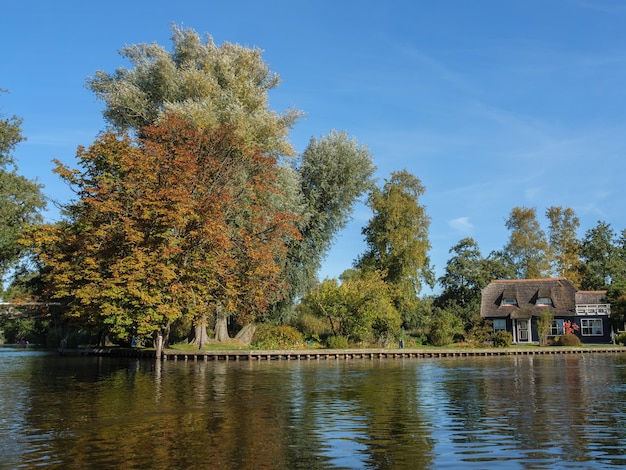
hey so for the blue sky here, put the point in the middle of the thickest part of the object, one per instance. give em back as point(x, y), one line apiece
point(491, 103)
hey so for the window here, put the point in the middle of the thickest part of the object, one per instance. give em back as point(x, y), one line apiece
point(509, 302)
point(499, 324)
point(544, 302)
point(591, 326)
point(556, 329)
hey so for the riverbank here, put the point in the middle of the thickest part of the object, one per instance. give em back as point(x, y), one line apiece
point(339, 354)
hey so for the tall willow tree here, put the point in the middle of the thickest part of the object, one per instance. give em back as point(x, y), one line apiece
point(528, 246)
point(334, 171)
point(200, 81)
point(397, 238)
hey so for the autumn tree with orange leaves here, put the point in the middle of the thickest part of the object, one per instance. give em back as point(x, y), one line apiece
point(175, 224)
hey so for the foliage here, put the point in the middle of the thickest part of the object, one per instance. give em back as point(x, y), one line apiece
point(397, 239)
point(211, 86)
point(480, 331)
point(174, 223)
point(444, 327)
point(359, 309)
point(564, 244)
point(466, 274)
point(310, 324)
point(527, 245)
point(21, 199)
point(416, 320)
point(207, 84)
point(337, 342)
point(599, 256)
point(502, 339)
point(616, 296)
point(569, 339)
point(544, 324)
point(621, 338)
point(334, 171)
point(277, 337)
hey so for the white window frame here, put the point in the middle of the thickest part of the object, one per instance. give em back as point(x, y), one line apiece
point(499, 324)
point(509, 302)
point(588, 327)
point(556, 328)
point(544, 302)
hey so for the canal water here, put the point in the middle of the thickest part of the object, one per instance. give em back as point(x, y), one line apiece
point(526, 412)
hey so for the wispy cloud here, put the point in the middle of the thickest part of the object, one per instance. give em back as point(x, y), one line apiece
point(461, 224)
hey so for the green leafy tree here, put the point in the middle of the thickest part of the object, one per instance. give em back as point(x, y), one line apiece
point(360, 308)
point(598, 253)
point(397, 238)
point(564, 244)
point(466, 274)
point(21, 199)
point(527, 245)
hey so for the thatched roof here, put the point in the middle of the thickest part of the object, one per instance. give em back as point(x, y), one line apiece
point(526, 292)
point(591, 297)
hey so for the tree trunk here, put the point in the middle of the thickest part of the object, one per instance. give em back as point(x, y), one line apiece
point(200, 337)
point(246, 334)
point(221, 324)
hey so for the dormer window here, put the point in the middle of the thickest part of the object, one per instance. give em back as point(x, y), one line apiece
point(544, 298)
point(544, 302)
point(509, 302)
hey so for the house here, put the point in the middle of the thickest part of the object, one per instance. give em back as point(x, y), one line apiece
point(515, 305)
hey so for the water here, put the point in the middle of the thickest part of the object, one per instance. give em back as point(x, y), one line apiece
point(564, 411)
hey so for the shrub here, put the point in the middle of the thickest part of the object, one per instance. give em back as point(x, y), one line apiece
point(444, 327)
point(310, 324)
point(502, 339)
point(337, 342)
point(621, 338)
point(570, 339)
point(276, 337)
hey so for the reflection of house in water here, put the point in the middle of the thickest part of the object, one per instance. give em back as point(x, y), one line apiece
point(515, 305)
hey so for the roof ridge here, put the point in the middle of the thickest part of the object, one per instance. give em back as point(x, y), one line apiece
point(542, 279)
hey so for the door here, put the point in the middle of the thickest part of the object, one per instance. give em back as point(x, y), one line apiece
point(523, 331)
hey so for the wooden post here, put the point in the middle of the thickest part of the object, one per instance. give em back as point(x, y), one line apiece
point(159, 346)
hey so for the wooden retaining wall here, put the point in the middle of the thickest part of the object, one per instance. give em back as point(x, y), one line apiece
point(344, 354)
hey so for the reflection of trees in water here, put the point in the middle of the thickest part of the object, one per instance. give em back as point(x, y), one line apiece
point(358, 414)
point(546, 406)
point(376, 414)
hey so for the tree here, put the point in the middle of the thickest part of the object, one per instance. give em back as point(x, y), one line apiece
point(527, 246)
point(360, 308)
point(21, 199)
point(202, 82)
point(334, 172)
point(544, 325)
point(598, 255)
point(175, 223)
point(397, 235)
point(466, 273)
point(397, 241)
point(212, 85)
point(564, 244)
